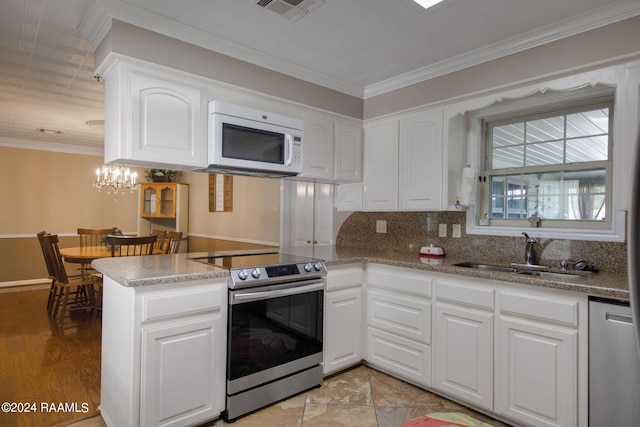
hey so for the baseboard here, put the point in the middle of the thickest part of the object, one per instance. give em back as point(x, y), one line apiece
point(30, 282)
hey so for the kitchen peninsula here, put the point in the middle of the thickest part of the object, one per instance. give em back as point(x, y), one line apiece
point(164, 331)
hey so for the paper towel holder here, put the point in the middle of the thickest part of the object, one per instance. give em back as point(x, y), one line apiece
point(457, 204)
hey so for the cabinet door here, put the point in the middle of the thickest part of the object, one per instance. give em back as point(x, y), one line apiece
point(536, 372)
point(463, 359)
point(158, 201)
point(421, 161)
point(381, 167)
point(148, 202)
point(183, 369)
point(348, 153)
point(307, 214)
point(168, 121)
point(317, 156)
point(343, 329)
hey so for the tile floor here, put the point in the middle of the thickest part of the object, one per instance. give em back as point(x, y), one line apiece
point(362, 397)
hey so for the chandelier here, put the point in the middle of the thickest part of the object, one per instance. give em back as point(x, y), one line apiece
point(115, 179)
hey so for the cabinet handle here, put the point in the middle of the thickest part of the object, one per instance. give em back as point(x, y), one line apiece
point(622, 318)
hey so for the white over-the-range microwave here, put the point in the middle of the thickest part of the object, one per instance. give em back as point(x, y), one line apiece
point(248, 141)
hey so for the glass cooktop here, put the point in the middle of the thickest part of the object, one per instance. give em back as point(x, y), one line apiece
point(246, 260)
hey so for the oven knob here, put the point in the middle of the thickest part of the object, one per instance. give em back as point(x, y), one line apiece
point(242, 274)
point(255, 273)
point(317, 266)
point(307, 267)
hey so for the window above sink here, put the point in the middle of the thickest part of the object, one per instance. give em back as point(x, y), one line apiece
point(545, 159)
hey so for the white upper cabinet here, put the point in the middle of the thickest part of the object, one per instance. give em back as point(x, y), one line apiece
point(154, 117)
point(317, 155)
point(421, 161)
point(381, 166)
point(403, 163)
point(332, 149)
point(348, 152)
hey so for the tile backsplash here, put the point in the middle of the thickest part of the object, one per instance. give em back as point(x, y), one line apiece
point(409, 231)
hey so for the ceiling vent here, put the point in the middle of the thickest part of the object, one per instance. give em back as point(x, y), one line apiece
point(291, 10)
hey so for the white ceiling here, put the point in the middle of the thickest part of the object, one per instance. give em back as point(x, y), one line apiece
point(359, 47)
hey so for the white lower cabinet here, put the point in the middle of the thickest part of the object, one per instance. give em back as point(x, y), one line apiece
point(399, 322)
point(538, 356)
point(163, 353)
point(343, 318)
point(514, 350)
point(463, 343)
point(178, 384)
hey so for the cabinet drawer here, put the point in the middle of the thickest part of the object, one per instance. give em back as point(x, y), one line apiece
point(475, 296)
point(400, 356)
point(400, 279)
point(559, 310)
point(400, 314)
point(341, 277)
point(180, 302)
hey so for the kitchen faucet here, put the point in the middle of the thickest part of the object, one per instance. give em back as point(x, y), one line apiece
point(528, 252)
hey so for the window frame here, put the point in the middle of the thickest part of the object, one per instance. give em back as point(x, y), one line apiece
point(488, 124)
point(538, 102)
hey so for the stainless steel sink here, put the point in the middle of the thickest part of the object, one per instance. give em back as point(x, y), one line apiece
point(486, 267)
point(537, 273)
point(551, 275)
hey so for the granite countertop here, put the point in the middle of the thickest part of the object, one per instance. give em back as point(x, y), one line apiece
point(158, 269)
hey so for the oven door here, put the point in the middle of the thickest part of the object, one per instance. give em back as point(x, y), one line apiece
point(274, 331)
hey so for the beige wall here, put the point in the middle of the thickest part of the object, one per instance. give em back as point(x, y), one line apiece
point(51, 191)
point(256, 210)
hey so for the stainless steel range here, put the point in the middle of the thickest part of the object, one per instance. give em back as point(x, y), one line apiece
point(274, 341)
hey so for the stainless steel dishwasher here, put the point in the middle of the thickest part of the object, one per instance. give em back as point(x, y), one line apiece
point(614, 365)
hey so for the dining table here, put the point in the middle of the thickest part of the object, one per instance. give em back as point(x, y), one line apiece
point(86, 254)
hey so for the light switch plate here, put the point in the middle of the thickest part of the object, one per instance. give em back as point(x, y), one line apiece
point(456, 231)
point(442, 230)
point(381, 226)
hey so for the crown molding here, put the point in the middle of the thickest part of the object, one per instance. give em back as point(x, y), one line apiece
point(97, 23)
point(117, 9)
point(30, 144)
point(569, 27)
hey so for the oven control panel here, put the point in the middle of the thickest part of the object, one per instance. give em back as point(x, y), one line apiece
point(270, 274)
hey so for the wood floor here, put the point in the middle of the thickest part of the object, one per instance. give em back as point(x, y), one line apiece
point(52, 372)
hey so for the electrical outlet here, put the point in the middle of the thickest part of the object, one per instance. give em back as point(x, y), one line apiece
point(381, 226)
point(456, 231)
point(442, 230)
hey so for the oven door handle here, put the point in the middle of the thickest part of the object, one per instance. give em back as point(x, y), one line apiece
point(239, 297)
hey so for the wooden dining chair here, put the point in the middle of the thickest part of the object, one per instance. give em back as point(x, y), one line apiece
point(51, 273)
point(74, 292)
point(162, 235)
point(132, 246)
point(50, 270)
point(91, 237)
point(173, 242)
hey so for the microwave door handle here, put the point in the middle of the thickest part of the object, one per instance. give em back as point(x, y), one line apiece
point(288, 151)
